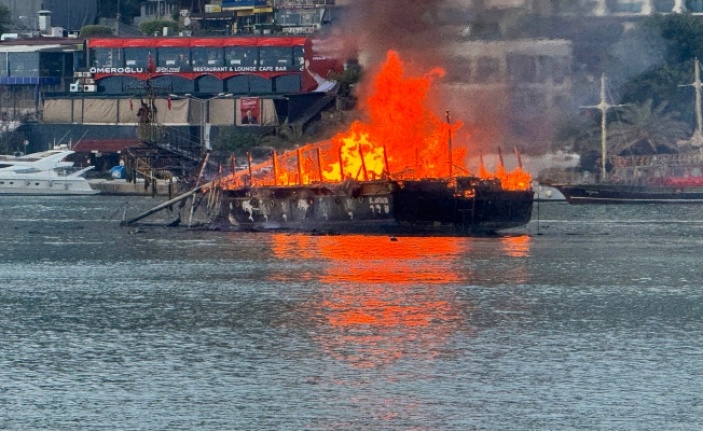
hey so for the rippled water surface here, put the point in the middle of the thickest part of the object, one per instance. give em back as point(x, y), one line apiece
point(589, 318)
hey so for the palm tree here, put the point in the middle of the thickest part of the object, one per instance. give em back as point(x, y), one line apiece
point(643, 129)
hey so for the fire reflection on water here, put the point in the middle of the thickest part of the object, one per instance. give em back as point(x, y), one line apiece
point(516, 246)
point(381, 299)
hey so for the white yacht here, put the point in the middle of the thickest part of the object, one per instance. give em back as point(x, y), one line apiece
point(43, 173)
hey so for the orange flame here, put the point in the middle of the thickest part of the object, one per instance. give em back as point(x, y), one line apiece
point(402, 139)
point(517, 179)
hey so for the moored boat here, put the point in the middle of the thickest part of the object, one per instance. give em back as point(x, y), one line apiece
point(652, 178)
point(43, 173)
point(623, 193)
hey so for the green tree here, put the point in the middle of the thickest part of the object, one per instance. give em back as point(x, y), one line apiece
point(660, 101)
point(5, 18)
point(96, 31)
point(681, 33)
point(156, 26)
point(580, 134)
point(646, 129)
point(634, 129)
point(347, 79)
point(681, 37)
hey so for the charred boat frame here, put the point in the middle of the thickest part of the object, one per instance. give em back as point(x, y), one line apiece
point(461, 206)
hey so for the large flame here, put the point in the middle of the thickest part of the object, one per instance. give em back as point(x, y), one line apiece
point(401, 139)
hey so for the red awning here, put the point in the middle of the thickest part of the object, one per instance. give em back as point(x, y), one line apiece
point(104, 145)
point(281, 41)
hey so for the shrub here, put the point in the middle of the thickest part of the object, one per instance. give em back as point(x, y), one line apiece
point(156, 26)
point(95, 31)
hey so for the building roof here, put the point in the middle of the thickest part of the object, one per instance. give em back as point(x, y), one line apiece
point(40, 44)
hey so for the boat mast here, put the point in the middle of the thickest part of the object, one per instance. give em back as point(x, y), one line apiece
point(697, 85)
point(603, 107)
point(697, 138)
point(450, 145)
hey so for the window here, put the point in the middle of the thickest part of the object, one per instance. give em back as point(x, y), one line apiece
point(459, 70)
point(522, 68)
point(663, 5)
point(241, 57)
point(571, 7)
point(487, 70)
point(552, 68)
point(277, 57)
point(24, 64)
point(560, 70)
point(529, 103)
point(106, 57)
point(312, 17)
point(625, 6)
point(174, 58)
point(138, 57)
point(287, 18)
point(3, 63)
point(207, 57)
point(53, 64)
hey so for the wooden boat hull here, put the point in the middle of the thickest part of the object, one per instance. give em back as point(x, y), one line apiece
point(462, 207)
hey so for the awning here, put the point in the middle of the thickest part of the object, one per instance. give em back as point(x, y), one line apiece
point(104, 145)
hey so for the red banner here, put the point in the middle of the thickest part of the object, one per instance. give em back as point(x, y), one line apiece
point(249, 107)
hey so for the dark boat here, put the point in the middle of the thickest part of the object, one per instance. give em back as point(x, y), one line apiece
point(462, 206)
point(654, 178)
point(624, 193)
point(661, 178)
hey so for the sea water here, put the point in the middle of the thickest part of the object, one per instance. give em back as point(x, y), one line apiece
point(590, 317)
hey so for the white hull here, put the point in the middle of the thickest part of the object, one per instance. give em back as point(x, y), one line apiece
point(45, 186)
point(547, 193)
point(44, 173)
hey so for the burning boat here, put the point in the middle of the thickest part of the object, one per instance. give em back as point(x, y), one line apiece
point(399, 174)
point(458, 206)
point(395, 174)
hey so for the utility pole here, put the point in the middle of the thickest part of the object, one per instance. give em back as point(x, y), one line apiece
point(117, 27)
point(273, 7)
